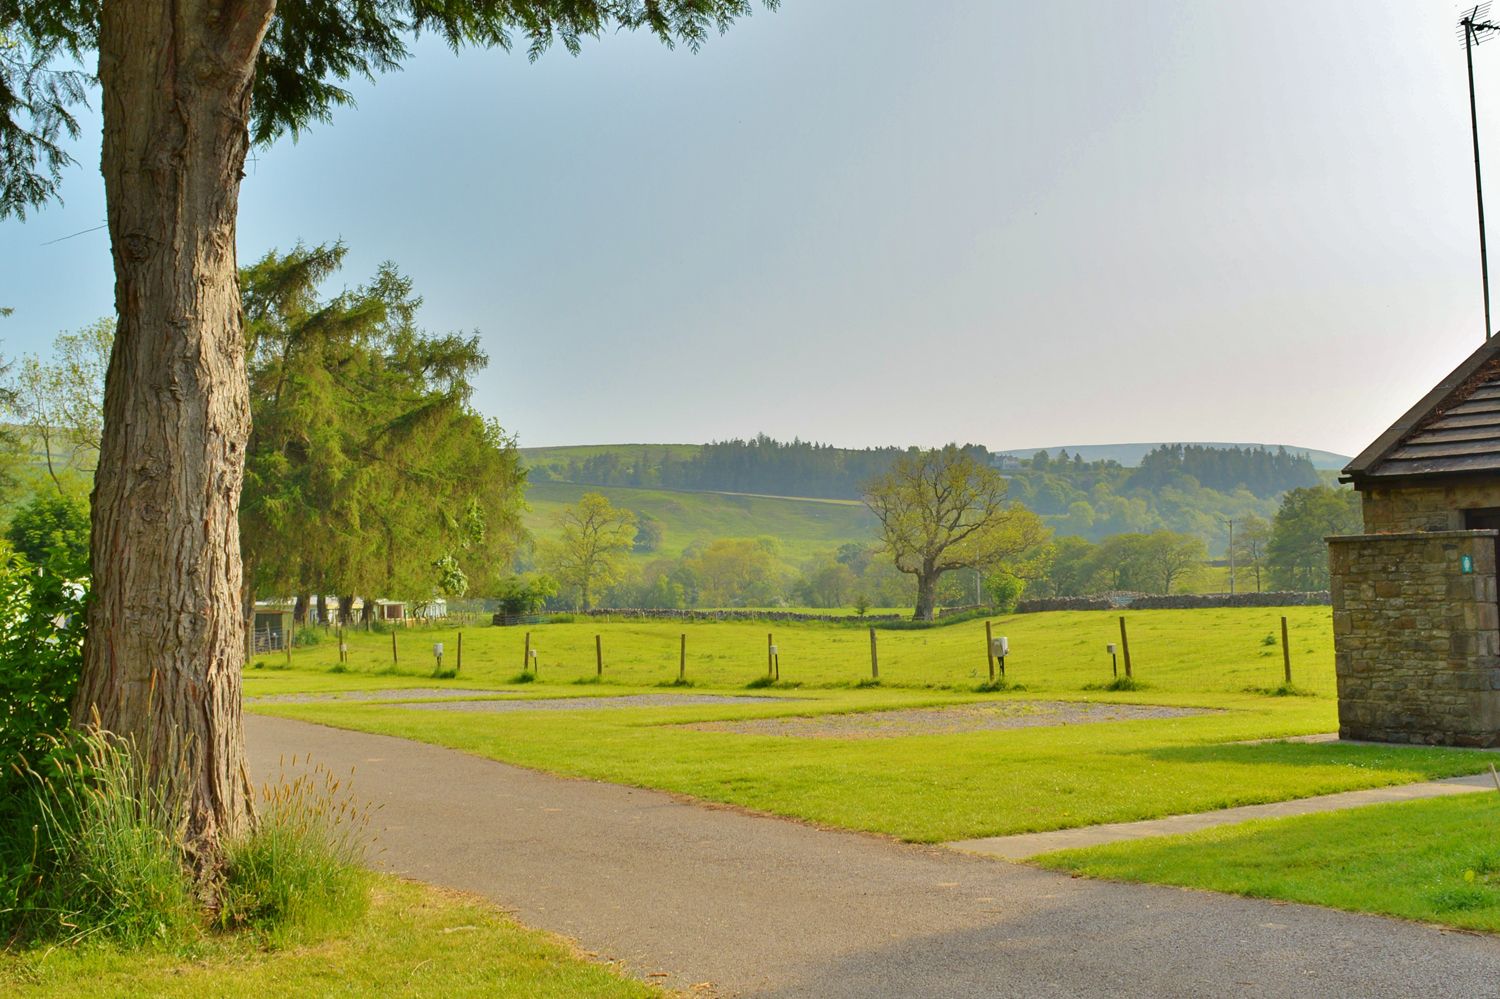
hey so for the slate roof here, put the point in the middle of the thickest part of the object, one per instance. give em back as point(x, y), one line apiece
point(1454, 430)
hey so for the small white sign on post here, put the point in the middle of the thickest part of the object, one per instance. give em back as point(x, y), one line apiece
point(1001, 647)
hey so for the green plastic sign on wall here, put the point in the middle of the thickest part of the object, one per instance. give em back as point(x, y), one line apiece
point(1466, 563)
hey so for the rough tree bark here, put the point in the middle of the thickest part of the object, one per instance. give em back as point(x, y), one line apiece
point(166, 630)
point(927, 583)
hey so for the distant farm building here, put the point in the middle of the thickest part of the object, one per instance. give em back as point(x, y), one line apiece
point(1416, 618)
point(272, 627)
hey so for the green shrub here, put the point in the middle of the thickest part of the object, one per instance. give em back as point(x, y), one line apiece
point(306, 636)
point(89, 850)
point(299, 873)
point(41, 659)
point(50, 529)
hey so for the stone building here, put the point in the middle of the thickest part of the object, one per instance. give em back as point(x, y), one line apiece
point(1416, 622)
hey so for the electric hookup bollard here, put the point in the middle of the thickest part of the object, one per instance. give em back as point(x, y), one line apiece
point(437, 652)
point(1114, 659)
point(1000, 648)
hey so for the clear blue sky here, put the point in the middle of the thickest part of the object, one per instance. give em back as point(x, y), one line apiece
point(871, 222)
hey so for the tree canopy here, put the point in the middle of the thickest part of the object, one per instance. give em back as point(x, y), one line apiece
point(368, 471)
point(589, 553)
point(943, 509)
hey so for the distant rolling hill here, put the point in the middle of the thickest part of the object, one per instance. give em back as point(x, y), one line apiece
point(1130, 455)
point(803, 526)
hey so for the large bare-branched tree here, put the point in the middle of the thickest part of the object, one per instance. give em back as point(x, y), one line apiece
point(186, 86)
point(593, 539)
point(943, 509)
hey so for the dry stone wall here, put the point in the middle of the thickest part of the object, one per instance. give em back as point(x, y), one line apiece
point(1417, 637)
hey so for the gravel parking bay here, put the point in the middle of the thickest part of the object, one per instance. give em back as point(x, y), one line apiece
point(400, 694)
point(945, 721)
point(592, 703)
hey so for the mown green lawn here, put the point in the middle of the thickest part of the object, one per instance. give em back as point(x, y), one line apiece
point(416, 941)
point(1437, 860)
point(927, 788)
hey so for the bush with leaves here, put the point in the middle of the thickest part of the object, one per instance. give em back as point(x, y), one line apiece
point(52, 529)
point(41, 658)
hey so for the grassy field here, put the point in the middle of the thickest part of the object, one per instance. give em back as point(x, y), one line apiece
point(417, 941)
point(803, 526)
point(1436, 861)
point(1213, 650)
point(922, 787)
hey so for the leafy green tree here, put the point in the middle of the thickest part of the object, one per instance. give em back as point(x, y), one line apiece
point(187, 86)
point(52, 529)
point(1297, 553)
point(594, 537)
point(1168, 557)
point(826, 582)
point(525, 594)
point(648, 533)
point(737, 572)
point(1252, 538)
point(1120, 562)
point(1074, 570)
point(60, 401)
point(365, 440)
point(943, 509)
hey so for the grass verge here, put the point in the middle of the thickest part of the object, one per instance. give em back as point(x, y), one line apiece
point(415, 941)
point(1437, 860)
point(930, 788)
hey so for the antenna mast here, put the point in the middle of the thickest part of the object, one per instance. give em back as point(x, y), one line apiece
point(1473, 26)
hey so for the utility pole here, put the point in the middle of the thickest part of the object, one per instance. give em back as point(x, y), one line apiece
point(1471, 24)
point(1230, 522)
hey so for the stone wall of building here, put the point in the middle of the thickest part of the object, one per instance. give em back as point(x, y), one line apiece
point(1417, 640)
point(1427, 507)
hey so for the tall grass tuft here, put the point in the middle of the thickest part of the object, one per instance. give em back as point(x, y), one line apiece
point(299, 873)
point(89, 850)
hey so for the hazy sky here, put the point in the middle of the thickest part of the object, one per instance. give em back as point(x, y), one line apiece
point(868, 222)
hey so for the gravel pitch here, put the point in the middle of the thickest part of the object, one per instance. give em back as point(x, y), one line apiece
point(378, 695)
point(945, 721)
point(591, 703)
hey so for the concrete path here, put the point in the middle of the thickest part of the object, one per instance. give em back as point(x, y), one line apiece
point(725, 903)
point(1024, 845)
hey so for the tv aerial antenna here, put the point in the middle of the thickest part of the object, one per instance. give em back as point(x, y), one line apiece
point(1476, 27)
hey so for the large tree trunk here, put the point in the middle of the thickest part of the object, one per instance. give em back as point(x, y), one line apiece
point(166, 630)
point(927, 584)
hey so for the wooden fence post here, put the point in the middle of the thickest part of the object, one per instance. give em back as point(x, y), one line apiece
point(460, 664)
point(526, 655)
point(682, 660)
point(394, 659)
point(770, 666)
point(989, 649)
point(1125, 648)
point(598, 656)
point(874, 659)
point(1286, 652)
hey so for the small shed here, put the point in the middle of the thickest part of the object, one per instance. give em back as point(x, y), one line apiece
point(1416, 617)
point(390, 610)
point(272, 627)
